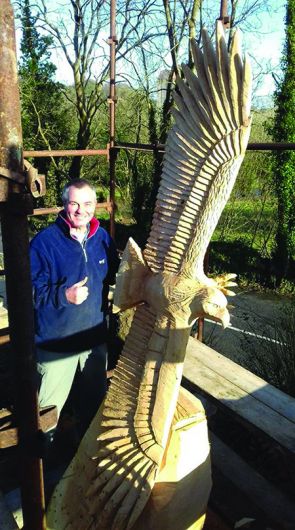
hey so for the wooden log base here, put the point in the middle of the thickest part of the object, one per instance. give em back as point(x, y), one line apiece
point(180, 495)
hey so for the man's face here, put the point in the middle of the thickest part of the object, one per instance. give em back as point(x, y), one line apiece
point(80, 207)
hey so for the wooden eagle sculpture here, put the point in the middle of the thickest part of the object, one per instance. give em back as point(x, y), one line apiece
point(111, 478)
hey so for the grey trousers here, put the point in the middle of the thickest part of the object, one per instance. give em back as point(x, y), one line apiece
point(56, 372)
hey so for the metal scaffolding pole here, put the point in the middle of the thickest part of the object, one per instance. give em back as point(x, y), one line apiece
point(15, 204)
point(224, 17)
point(112, 113)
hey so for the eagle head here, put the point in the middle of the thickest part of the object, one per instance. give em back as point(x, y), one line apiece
point(210, 302)
point(214, 306)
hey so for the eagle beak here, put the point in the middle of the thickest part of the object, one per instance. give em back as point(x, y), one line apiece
point(224, 317)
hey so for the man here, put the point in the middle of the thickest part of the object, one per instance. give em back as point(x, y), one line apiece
point(73, 261)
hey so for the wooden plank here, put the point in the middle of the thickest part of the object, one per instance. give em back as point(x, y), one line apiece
point(9, 433)
point(5, 418)
point(224, 391)
point(245, 405)
point(270, 501)
point(232, 504)
point(4, 337)
point(3, 317)
point(242, 378)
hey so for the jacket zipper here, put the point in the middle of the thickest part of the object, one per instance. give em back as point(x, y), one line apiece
point(83, 245)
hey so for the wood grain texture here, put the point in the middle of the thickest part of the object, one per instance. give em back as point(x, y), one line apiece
point(257, 402)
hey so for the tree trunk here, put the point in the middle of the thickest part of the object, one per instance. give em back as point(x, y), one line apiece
point(83, 138)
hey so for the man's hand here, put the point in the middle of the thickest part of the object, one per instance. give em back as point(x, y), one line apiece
point(78, 293)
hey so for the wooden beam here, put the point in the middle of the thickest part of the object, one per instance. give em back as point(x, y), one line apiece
point(9, 432)
point(255, 496)
point(248, 397)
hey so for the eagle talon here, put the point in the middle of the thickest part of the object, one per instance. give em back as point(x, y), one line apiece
point(224, 281)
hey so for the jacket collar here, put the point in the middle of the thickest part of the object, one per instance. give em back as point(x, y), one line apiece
point(65, 224)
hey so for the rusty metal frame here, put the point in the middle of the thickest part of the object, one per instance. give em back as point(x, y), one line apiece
point(14, 206)
point(112, 100)
point(252, 146)
point(224, 17)
point(69, 152)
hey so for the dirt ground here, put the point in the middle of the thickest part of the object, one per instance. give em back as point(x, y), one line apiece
point(257, 322)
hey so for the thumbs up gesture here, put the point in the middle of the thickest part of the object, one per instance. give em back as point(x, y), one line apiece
point(77, 293)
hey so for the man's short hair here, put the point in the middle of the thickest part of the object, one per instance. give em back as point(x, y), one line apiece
point(76, 183)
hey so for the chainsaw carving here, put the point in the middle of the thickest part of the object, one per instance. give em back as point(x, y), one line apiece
point(167, 283)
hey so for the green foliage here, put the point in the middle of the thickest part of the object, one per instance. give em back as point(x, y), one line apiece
point(43, 108)
point(247, 227)
point(250, 221)
point(42, 117)
point(134, 169)
point(34, 48)
point(255, 177)
point(283, 130)
point(50, 121)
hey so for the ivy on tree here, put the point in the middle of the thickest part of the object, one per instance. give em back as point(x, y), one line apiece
point(284, 162)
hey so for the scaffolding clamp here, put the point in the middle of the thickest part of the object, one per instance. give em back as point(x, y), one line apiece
point(35, 182)
point(29, 177)
point(226, 21)
point(112, 39)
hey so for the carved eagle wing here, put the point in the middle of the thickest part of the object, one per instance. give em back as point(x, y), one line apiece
point(204, 150)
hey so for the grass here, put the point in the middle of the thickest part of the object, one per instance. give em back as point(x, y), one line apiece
point(253, 222)
point(244, 241)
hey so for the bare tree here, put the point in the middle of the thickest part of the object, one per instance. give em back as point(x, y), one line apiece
point(80, 28)
point(181, 21)
point(152, 35)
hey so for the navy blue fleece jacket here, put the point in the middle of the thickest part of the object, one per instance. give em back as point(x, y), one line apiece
point(57, 262)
